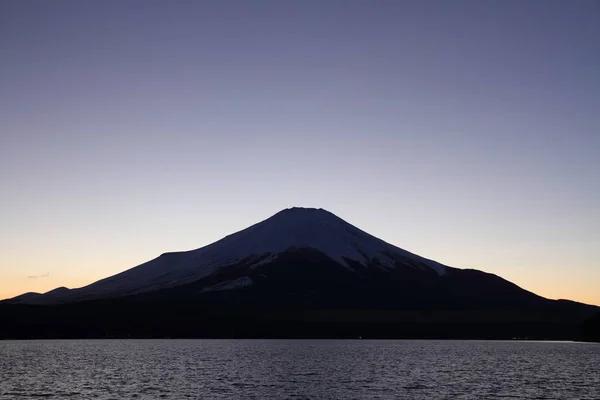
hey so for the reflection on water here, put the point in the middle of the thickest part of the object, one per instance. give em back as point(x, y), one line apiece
point(276, 369)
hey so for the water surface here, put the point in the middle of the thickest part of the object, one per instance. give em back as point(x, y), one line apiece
point(280, 369)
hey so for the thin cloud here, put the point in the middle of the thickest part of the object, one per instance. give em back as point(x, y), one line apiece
point(47, 274)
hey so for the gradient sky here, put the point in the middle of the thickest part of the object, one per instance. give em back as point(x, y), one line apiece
point(463, 131)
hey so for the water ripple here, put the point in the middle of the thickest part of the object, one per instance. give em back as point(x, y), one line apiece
point(288, 369)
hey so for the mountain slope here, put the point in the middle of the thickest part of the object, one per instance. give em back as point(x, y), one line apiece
point(257, 245)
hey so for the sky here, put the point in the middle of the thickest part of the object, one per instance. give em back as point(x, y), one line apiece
point(467, 132)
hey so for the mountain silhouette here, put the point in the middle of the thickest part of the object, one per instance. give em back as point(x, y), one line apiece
point(301, 273)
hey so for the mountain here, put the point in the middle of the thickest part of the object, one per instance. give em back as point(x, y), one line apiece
point(254, 247)
point(302, 272)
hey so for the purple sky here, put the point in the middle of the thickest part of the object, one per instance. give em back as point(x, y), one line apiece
point(464, 131)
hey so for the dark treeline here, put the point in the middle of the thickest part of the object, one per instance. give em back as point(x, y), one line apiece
point(129, 320)
point(591, 329)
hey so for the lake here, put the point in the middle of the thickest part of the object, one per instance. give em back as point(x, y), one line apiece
point(280, 369)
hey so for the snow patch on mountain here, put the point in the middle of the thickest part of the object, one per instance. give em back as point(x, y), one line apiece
point(232, 284)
